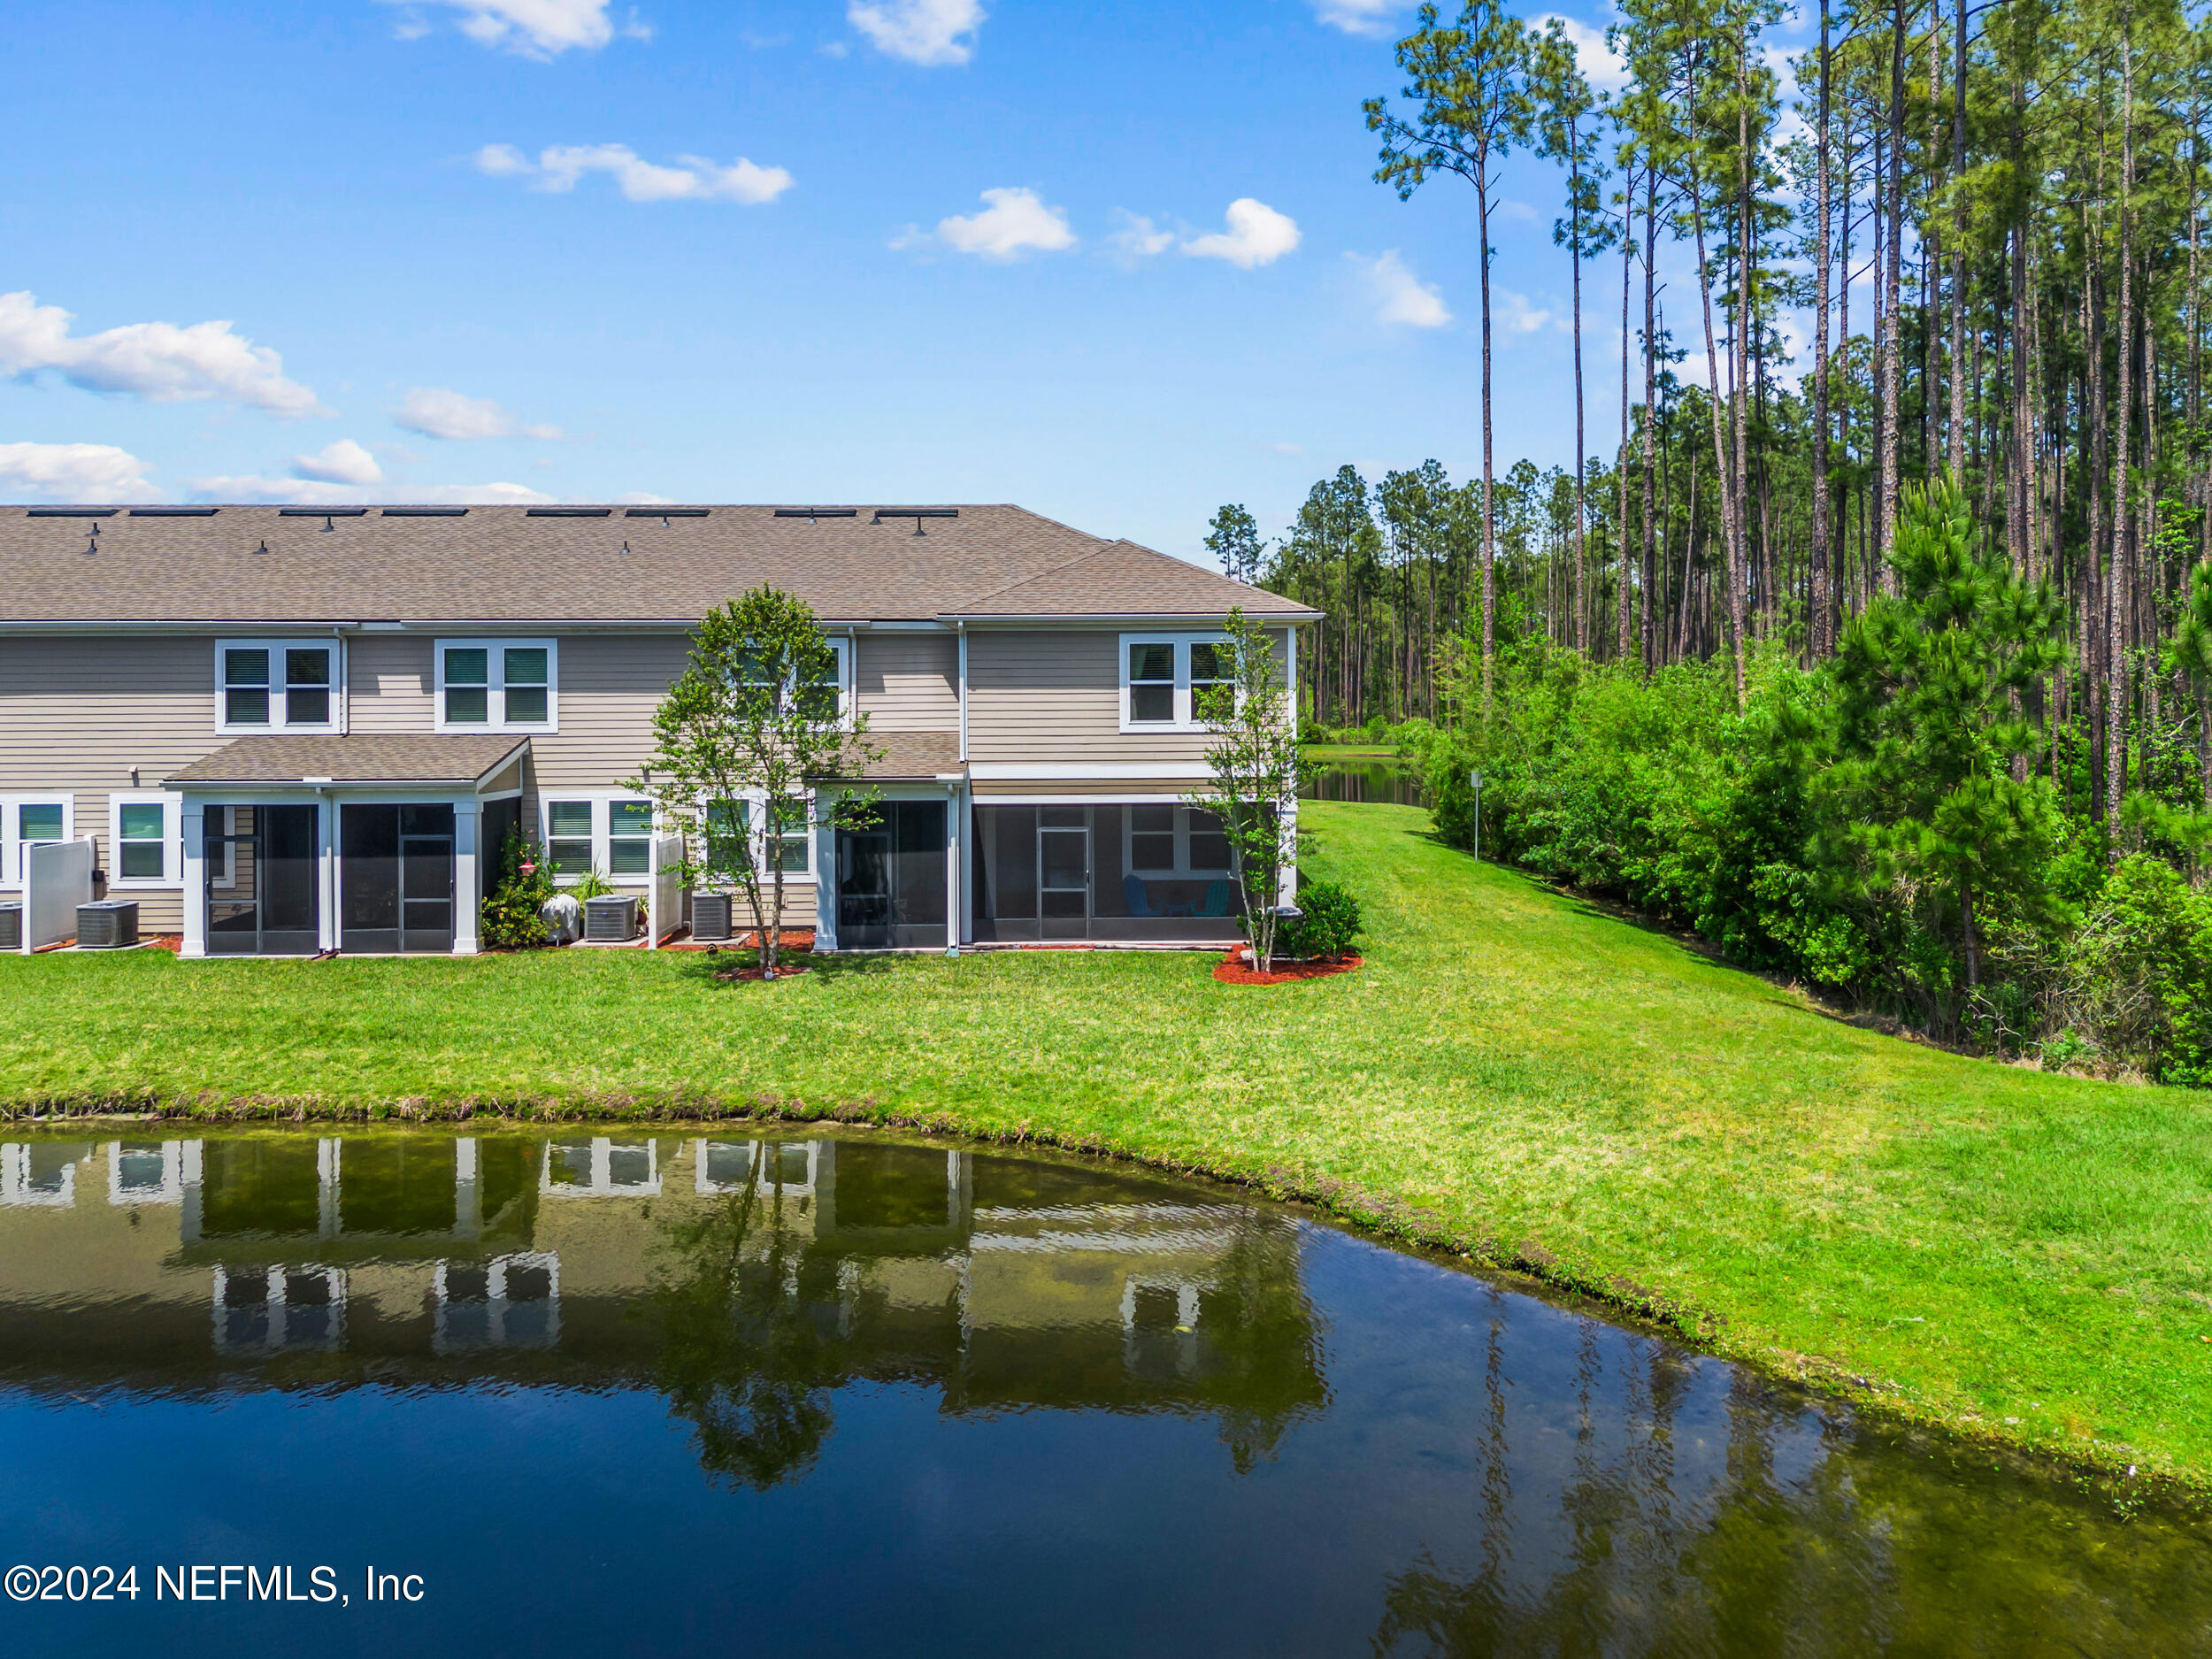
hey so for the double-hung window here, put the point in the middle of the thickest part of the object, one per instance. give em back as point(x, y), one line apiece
point(142, 840)
point(1167, 680)
point(826, 698)
point(25, 821)
point(276, 684)
point(611, 833)
point(1166, 840)
point(497, 685)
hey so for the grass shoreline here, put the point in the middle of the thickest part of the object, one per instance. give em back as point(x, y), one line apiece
point(1514, 1078)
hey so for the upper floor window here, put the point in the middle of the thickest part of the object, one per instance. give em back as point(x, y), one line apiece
point(276, 684)
point(497, 685)
point(829, 697)
point(1165, 680)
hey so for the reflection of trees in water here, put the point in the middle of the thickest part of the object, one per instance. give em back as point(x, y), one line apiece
point(1261, 1341)
point(740, 1356)
point(1872, 1550)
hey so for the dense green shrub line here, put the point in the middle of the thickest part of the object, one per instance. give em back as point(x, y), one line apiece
point(1883, 827)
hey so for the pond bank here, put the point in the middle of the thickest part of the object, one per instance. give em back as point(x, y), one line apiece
point(1511, 1075)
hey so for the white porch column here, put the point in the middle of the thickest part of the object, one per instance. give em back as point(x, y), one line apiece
point(1286, 891)
point(963, 832)
point(468, 817)
point(955, 845)
point(192, 824)
point(825, 875)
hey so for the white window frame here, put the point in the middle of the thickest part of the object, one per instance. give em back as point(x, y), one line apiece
point(495, 652)
point(842, 646)
point(1184, 869)
point(171, 839)
point(601, 802)
point(11, 829)
point(276, 721)
point(1185, 717)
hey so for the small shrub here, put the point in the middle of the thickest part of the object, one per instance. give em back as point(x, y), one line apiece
point(1330, 922)
point(511, 918)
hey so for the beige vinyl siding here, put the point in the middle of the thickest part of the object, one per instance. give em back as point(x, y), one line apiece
point(1053, 696)
point(77, 712)
point(908, 682)
point(391, 683)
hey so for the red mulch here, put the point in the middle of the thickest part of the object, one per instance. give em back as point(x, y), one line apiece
point(1236, 969)
point(792, 939)
point(171, 942)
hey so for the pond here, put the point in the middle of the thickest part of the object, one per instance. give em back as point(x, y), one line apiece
point(1364, 780)
point(733, 1391)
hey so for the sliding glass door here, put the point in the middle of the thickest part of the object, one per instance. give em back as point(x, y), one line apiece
point(261, 886)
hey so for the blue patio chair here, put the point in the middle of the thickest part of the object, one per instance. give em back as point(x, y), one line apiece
point(1140, 898)
point(1218, 897)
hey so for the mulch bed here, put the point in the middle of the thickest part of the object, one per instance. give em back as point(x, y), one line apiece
point(796, 940)
point(1236, 969)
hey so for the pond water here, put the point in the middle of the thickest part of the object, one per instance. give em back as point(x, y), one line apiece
point(1382, 781)
point(715, 1393)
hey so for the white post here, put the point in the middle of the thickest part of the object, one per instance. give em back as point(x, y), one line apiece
point(825, 874)
point(468, 816)
point(193, 821)
point(954, 842)
point(963, 803)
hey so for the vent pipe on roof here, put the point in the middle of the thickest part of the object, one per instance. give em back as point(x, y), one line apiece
point(916, 513)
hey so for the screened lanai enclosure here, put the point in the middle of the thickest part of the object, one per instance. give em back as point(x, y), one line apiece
point(1133, 870)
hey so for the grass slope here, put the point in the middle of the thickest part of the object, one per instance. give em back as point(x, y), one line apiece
point(1512, 1073)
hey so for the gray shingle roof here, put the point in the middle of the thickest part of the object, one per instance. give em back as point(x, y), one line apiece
point(457, 761)
point(258, 564)
point(912, 755)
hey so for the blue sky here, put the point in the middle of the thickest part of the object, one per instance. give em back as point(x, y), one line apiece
point(1117, 264)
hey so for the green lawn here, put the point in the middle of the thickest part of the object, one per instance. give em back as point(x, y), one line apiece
point(1512, 1073)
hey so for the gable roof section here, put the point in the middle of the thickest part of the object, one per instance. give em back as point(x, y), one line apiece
point(459, 762)
point(260, 565)
point(1120, 579)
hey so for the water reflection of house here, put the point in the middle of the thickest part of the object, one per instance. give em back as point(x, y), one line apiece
point(1002, 1282)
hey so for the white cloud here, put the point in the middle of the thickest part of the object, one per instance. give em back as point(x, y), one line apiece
point(1138, 237)
point(530, 29)
point(344, 462)
point(313, 493)
point(1012, 222)
point(159, 362)
point(1605, 69)
point(437, 412)
point(927, 32)
point(1288, 449)
point(692, 179)
point(74, 471)
point(1400, 297)
point(1358, 17)
point(1257, 234)
point(1517, 316)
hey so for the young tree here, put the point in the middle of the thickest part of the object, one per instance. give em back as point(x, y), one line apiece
point(1468, 83)
point(1234, 539)
point(741, 742)
point(1254, 762)
point(1929, 687)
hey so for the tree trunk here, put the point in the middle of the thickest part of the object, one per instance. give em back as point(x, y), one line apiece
point(1817, 603)
point(1891, 276)
point(2115, 610)
point(1489, 494)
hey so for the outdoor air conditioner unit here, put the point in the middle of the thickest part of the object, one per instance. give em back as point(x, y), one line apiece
point(710, 915)
point(10, 928)
point(107, 924)
point(610, 920)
